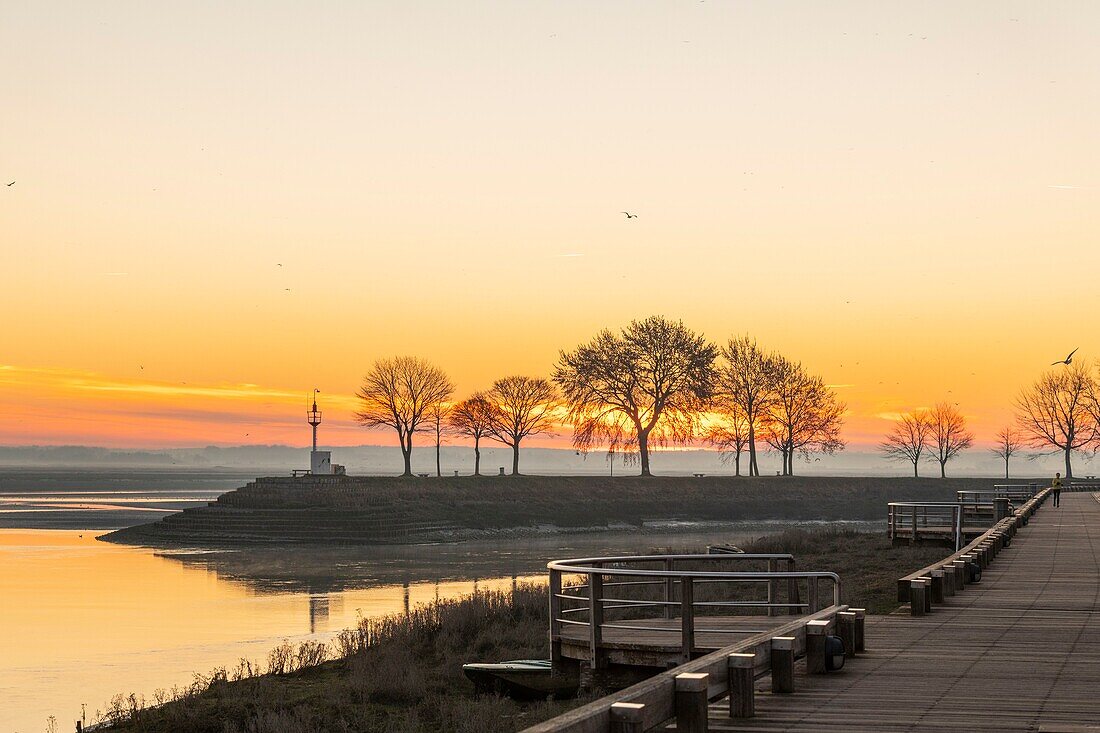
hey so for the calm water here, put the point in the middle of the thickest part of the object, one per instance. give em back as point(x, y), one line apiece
point(84, 620)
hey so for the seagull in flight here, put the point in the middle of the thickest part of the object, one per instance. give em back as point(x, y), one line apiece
point(1068, 360)
point(630, 216)
point(11, 184)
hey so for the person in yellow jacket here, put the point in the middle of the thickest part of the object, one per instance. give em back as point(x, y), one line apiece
point(1056, 484)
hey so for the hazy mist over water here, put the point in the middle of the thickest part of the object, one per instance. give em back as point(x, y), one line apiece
point(249, 461)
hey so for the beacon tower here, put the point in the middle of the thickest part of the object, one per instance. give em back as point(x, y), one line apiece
point(320, 461)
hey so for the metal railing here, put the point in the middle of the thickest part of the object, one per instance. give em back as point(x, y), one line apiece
point(638, 593)
point(907, 520)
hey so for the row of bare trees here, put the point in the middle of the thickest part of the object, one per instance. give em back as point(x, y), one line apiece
point(654, 383)
point(939, 434)
point(1059, 413)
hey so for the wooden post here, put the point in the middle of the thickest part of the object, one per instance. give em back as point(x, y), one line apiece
point(691, 702)
point(916, 597)
point(812, 595)
point(670, 589)
point(687, 619)
point(555, 615)
point(948, 580)
point(960, 573)
point(792, 591)
point(816, 631)
point(782, 653)
point(742, 670)
point(937, 586)
point(773, 587)
point(846, 628)
point(913, 537)
point(627, 717)
point(595, 619)
point(861, 623)
point(1000, 508)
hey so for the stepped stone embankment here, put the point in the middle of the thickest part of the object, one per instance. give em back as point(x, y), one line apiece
point(391, 510)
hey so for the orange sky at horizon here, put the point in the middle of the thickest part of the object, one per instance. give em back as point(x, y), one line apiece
point(220, 206)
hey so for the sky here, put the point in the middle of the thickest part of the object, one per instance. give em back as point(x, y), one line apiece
point(219, 206)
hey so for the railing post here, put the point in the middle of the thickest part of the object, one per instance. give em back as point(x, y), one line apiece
point(782, 658)
point(687, 619)
point(816, 631)
point(812, 595)
point(555, 616)
point(792, 591)
point(937, 586)
point(742, 673)
point(846, 629)
point(1000, 508)
point(595, 619)
point(948, 579)
point(773, 587)
point(960, 573)
point(691, 702)
point(861, 623)
point(917, 589)
point(913, 537)
point(627, 717)
point(670, 592)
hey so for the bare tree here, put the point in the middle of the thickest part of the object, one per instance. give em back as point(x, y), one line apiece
point(804, 416)
point(1009, 442)
point(521, 406)
point(1055, 412)
point(949, 434)
point(730, 435)
point(646, 386)
point(746, 377)
point(471, 418)
point(398, 393)
point(909, 438)
point(438, 416)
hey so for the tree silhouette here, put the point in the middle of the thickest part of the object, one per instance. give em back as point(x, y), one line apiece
point(949, 434)
point(471, 418)
point(803, 414)
point(398, 393)
point(520, 406)
point(1009, 442)
point(730, 434)
point(438, 425)
point(746, 377)
point(1057, 413)
point(645, 386)
point(908, 439)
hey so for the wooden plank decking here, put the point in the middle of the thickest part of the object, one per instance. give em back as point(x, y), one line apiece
point(1019, 651)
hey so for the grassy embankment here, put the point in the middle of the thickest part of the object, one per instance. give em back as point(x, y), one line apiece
point(403, 674)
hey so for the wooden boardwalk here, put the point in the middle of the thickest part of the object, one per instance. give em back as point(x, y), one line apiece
point(1019, 651)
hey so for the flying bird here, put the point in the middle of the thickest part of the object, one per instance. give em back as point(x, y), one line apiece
point(1068, 360)
point(11, 184)
point(630, 216)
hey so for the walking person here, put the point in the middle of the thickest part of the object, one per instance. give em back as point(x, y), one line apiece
point(1056, 484)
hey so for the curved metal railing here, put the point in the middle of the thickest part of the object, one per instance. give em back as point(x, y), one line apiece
point(646, 592)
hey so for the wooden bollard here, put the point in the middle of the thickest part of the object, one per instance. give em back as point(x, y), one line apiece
point(927, 580)
point(691, 702)
point(948, 580)
point(960, 573)
point(861, 623)
point(742, 668)
point(627, 717)
point(917, 589)
point(937, 586)
point(782, 664)
point(816, 631)
point(846, 629)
